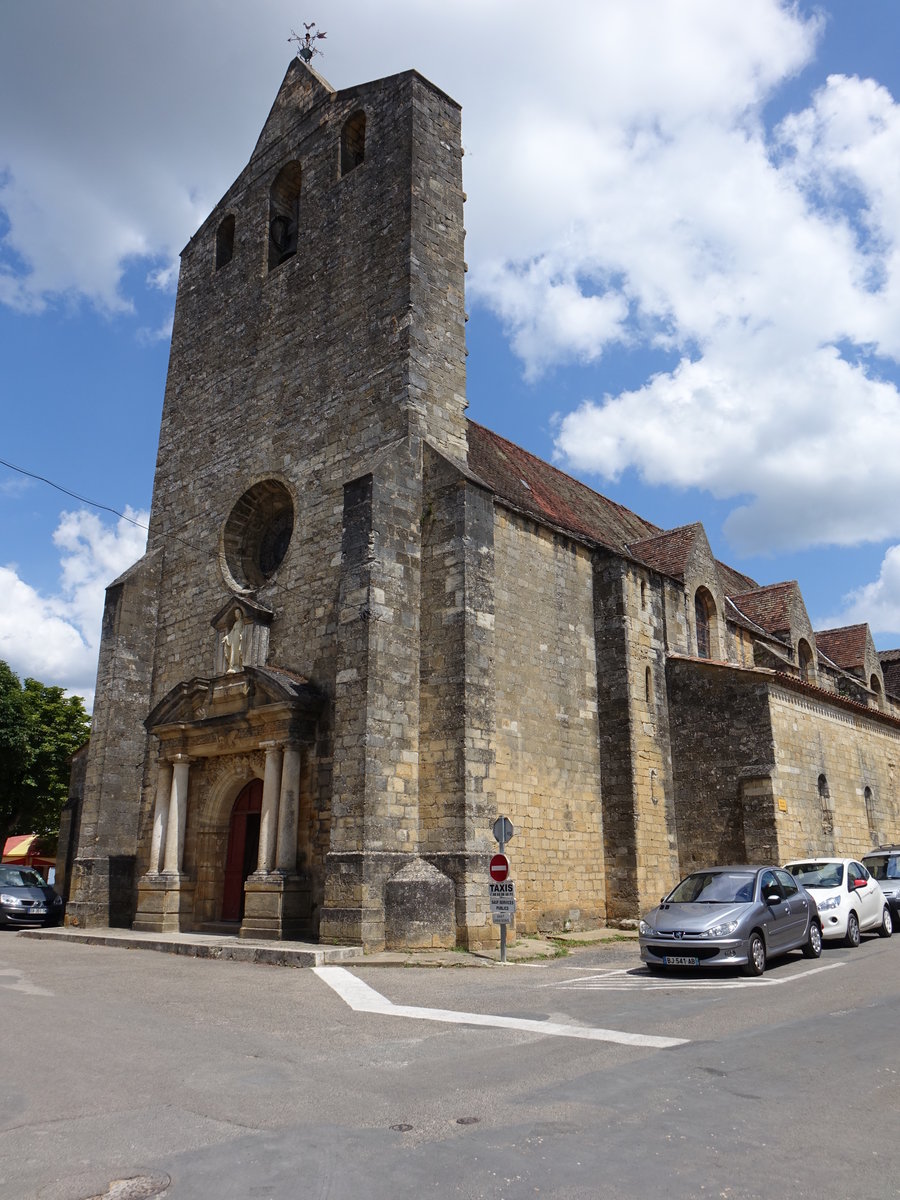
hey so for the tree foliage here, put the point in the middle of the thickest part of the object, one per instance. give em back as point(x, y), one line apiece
point(40, 728)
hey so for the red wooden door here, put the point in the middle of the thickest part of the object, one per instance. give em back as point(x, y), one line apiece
point(243, 849)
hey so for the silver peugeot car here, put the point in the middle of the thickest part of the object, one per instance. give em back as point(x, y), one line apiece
point(731, 917)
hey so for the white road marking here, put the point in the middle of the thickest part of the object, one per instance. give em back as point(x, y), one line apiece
point(630, 979)
point(362, 998)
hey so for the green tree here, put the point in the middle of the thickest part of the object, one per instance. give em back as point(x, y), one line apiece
point(40, 727)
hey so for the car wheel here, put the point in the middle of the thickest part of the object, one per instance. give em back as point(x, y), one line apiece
point(813, 947)
point(851, 938)
point(886, 928)
point(756, 955)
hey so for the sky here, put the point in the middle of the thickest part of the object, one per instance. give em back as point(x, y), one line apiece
point(683, 239)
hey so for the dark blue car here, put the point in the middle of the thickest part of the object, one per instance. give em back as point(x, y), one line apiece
point(26, 901)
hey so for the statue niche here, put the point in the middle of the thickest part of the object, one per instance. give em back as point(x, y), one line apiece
point(241, 636)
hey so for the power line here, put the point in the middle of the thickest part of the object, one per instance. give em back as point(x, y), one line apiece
point(74, 495)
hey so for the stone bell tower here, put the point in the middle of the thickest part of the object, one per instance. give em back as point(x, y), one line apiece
point(270, 637)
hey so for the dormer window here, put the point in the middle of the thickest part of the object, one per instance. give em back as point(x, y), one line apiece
point(284, 214)
point(225, 241)
point(353, 143)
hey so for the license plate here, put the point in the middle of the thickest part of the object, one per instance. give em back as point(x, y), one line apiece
point(681, 960)
point(38, 909)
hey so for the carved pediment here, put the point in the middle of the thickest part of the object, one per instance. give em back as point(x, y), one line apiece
point(251, 698)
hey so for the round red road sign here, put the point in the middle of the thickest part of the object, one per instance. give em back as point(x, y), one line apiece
point(499, 867)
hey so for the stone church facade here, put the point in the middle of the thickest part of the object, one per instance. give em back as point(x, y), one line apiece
point(365, 626)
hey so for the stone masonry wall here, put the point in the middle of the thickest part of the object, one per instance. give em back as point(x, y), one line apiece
point(547, 751)
point(853, 752)
point(722, 738)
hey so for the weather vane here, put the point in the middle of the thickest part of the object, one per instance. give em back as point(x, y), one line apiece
point(305, 48)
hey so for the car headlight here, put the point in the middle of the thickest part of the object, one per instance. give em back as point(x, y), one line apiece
point(11, 901)
point(645, 929)
point(829, 902)
point(722, 930)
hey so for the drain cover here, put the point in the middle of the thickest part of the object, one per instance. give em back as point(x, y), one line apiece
point(467, 1120)
point(401, 1128)
point(138, 1187)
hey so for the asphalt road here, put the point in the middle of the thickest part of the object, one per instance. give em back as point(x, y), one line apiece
point(261, 1083)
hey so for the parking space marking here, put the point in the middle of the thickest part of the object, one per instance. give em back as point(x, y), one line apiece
point(362, 998)
point(639, 979)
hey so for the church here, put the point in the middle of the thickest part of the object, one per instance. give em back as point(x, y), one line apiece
point(365, 626)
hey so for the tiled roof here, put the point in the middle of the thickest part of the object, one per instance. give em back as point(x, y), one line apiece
point(846, 647)
point(534, 487)
point(734, 581)
point(768, 606)
point(667, 552)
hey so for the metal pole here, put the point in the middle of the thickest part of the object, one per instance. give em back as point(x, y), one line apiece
point(503, 926)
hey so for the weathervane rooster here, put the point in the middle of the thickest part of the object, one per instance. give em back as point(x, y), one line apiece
point(305, 48)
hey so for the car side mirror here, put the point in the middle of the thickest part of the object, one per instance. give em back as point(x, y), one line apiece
point(772, 897)
point(860, 883)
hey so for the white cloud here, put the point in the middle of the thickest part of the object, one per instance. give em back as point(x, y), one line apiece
point(55, 638)
point(876, 603)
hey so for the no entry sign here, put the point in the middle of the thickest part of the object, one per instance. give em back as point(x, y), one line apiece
point(499, 867)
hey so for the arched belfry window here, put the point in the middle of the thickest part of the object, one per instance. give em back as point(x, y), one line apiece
point(225, 241)
point(875, 685)
point(284, 214)
point(705, 621)
point(353, 142)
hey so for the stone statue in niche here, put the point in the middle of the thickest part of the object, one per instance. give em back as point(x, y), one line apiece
point(232, 644)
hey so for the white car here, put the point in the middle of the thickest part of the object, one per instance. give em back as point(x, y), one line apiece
point(850, 901)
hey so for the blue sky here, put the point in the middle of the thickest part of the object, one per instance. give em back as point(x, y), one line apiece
point(683, 239)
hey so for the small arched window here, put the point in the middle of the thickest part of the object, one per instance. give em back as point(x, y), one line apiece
point(805, 659)
point(353, 143)
point(225, 241)
point(825, 801)
point(870, 816)
point(643, 594)
point(875, 685)
point(284, 214)
point(648, 686)
point(705, 620)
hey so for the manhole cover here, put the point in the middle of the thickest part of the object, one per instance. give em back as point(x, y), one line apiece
point(401, 1128)
point(467, 1120)
point(138, 1187)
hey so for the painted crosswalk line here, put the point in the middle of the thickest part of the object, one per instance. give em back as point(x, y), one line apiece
point(362, 998)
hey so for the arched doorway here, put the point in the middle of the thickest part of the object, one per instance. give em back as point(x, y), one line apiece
point(243, 848)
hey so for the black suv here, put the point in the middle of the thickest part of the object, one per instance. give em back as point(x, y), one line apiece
point(884, 865)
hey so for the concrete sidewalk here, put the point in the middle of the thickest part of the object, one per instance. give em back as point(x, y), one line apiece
point(313, 954)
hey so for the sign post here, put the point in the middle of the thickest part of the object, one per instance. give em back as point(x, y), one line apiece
point(501, 888)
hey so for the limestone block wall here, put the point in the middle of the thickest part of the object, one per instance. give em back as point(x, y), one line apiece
point(103, 876)
point(547, 770)
point(638, 793)
point(853, 752)
point(457, 801)
point(722, 738)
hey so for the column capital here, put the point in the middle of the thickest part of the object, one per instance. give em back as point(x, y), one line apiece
point(180, 758)
point(276, 744)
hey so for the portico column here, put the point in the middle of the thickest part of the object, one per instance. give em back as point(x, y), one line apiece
point(174, 856)
point(288, 808)
point(268, 820)
point(160, 816)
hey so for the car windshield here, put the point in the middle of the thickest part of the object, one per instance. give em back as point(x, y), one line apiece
point(714, 887)
point(883, 866)
point(818, 874)
point(20, 877)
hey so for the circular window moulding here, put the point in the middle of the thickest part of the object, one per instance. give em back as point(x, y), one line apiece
point(257, 534)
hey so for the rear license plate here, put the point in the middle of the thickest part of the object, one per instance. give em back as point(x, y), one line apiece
point(681, 960)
